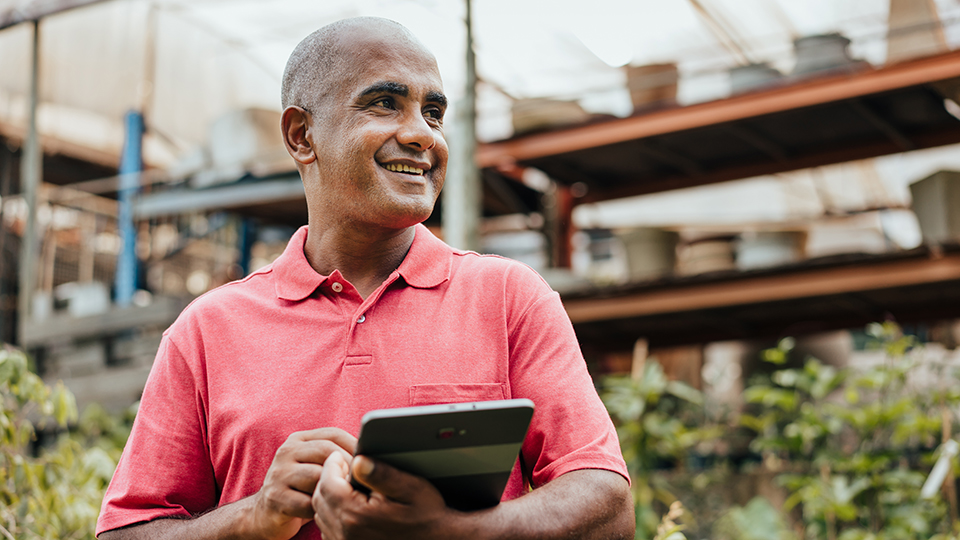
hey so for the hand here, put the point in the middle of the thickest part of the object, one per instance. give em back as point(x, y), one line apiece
point(400, 505)
point(282, 505)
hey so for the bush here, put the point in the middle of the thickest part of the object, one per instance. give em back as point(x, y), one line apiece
point(55, 491)
point(855, 446)
point(659, 423)
point(849, 448)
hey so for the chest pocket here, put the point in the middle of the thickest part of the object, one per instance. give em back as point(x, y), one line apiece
point(438, 394)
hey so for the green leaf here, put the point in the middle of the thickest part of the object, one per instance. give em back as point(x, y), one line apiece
point(758, 520)
point(775, 356)
point(64, 405)
point(685, 392)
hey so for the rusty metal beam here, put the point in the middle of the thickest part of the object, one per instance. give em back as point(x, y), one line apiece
point(672, 158)
point(755, 290)
point(825, 156)
point(887, 128)
point(757, 141)
point(805, 94)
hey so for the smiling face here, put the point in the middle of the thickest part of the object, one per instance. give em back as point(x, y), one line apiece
point(377, 132)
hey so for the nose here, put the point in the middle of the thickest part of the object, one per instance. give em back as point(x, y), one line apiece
point(416, 132)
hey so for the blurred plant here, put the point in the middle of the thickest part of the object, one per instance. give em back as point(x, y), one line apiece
point(758, 520)
point(854, 446)
point(659, 423)
point(668, 528)
point(50, 492)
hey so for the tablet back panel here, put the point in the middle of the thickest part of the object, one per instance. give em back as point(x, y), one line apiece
point(467, 450)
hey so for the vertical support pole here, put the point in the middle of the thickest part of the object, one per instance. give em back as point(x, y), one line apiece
point(31, 170)
point(125, 280)
point(558, 204)
point(564, 250)
point(7, 315)
point(248, 235)
point(462, 196)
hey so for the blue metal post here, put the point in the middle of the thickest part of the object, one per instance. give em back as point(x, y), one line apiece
point(248, 235)
point(131, 162)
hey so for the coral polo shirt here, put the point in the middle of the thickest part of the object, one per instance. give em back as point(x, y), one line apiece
point(287, 349)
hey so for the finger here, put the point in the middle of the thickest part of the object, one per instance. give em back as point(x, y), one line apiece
point(293, 503)
point(302, 477)
point(389, 481)
point(334, 480)
point(315, 451)
point(335, 435)
point(331, 492)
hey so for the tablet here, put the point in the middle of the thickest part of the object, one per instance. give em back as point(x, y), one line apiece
point(467, 450)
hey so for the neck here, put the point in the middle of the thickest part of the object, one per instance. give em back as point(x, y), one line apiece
point(366, 258)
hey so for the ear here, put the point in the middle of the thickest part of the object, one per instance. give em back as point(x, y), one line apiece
point(294, 123)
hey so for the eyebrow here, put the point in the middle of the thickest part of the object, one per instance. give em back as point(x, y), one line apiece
point(437, 97)
point(400, 89)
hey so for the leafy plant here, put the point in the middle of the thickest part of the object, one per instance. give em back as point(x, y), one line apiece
point(758, 520)
point(668, 528)
point(855, 446)
point(659, 423)
point(50, 492)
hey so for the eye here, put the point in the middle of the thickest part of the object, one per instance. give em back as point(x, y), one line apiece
point(434, 113)
point(385, 102)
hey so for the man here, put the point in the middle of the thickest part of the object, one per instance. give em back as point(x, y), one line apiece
point(246, 427)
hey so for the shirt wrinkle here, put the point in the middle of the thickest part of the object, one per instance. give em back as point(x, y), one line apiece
point(202, 405)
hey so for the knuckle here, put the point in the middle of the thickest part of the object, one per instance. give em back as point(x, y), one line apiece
point(351, 521)
point(324, 490)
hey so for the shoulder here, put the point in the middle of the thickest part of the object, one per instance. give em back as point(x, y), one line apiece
point(517, 284)
point(431, 262)
point(226, 300)
point(495, 265)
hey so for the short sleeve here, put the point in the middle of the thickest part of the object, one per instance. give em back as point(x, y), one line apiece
point(571, 428)
point(165, 470)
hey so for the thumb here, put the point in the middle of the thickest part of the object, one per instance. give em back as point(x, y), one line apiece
point(389, 481)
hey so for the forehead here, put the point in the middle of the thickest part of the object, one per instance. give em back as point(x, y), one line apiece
point(367, 58)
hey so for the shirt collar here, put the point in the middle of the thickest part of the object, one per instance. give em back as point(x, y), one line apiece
point(296, 279)
point(426, 265)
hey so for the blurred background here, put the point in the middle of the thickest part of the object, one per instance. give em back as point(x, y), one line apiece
point(699, 179)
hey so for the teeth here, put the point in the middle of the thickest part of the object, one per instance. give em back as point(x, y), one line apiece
point(403, 168)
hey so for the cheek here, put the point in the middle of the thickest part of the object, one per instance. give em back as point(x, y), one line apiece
point(442, 153)
point(440, 177)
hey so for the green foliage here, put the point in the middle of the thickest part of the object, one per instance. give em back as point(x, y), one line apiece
point(758, 520)
point(659, 422)
point(56, 493)
point(668, 528)
point(856, 446)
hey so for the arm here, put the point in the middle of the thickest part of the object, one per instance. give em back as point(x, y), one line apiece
point(589, 504)
point(276, 512)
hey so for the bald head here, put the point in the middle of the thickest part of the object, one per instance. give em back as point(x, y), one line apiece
point(322, 58)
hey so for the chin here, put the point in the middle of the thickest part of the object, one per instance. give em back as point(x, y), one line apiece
point(406, 218)
point(410, 212)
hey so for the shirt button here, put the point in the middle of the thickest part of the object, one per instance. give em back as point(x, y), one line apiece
point(337, 287)
point(361, 319)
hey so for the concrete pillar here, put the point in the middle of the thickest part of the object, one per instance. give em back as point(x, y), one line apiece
point(462, 192)
point(31, 172)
